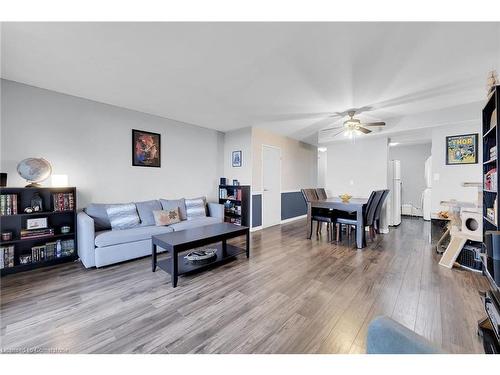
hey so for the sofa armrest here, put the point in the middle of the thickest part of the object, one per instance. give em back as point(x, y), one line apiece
point(216, 210)
point(85, 239)
point(386, 336)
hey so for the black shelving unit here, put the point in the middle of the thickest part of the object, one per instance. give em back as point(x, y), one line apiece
point(55, 219)
point(491, 138)
point(236, 201)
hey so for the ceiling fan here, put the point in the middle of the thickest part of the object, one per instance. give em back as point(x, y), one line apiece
point(353, 126)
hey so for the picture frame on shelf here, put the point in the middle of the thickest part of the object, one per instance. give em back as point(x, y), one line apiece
point(38, 223)
point(236, 158)
point(146, 149)
point(462, 149)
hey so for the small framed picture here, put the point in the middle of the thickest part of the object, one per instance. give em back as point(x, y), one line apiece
point(236, 158)
point(146, 149)
point(38, 223)
point(462, 149)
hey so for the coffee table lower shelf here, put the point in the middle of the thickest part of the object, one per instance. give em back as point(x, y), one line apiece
point(185, 268)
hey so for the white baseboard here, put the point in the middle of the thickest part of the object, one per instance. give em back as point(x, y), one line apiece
point(293, 219)
point(255, 229)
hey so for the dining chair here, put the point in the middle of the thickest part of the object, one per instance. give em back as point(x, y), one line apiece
point(321, 193)
point(368, 217)
point(319, 215)
point(379, 210)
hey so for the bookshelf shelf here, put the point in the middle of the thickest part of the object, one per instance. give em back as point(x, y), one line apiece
point(43, 250)
point(235, 197)
point(491, 180)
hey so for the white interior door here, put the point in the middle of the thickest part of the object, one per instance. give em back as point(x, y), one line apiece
point(271, 186)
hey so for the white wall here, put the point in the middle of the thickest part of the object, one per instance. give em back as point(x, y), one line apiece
point(357, 168)
point(238, 140)
point(449, 186)
point(412, 159)
point(91, 142)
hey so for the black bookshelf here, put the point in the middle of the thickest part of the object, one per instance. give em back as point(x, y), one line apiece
point(236, 201)
point(491, 139)
point(55, 219)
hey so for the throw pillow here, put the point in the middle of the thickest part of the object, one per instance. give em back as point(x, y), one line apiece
point(163, 217)
point(123, 216)
point(170, 204)
point(146, 209)
point(196, 208)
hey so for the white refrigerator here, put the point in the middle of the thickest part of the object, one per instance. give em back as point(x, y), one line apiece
point(395, 194)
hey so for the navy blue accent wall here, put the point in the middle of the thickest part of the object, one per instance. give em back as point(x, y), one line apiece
point(292, 205)
point(256, 210)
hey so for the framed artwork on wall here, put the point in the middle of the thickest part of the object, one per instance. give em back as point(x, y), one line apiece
point(462, 149)
point(236, 157)
point(146, 149)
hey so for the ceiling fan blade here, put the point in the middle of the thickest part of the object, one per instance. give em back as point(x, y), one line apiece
point(363, 130)
point(328, 129)
point(380, 123)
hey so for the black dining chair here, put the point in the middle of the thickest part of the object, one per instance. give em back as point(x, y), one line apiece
point(351, 220)
point(319, 215)
point(378, 211)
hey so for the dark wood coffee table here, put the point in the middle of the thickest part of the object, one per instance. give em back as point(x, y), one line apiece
point(177, 242)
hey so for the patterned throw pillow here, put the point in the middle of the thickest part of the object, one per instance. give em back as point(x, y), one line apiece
point(163, 217)
point(123, 216)
point(196, 208)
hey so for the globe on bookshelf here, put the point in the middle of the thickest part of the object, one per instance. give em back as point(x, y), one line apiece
point(34, 171)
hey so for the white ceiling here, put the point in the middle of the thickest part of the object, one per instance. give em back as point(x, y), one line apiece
point(286, 77)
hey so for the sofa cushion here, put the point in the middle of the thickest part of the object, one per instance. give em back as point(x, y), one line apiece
point(97, 211)
point(115, 237)
point(194, 223)
point(170, 204)
point(123, 216)
point(196, 208)
point(163, 217)
point(146, 209)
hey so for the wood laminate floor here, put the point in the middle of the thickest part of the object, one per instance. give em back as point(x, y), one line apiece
point(292, 296)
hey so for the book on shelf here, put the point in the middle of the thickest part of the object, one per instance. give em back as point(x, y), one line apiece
point(63, 202)
point(6, 256)
point(490, 180)
point(493, 152)
point(8, 204)
point(222, 193)
point(36, 233)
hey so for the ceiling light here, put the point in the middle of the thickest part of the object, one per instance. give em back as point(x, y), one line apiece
point(392, 144)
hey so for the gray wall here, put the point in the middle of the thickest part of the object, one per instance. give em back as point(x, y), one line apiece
point(91, 143)
point(412, 159)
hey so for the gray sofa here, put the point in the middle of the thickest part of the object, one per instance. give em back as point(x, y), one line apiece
point(100, 246)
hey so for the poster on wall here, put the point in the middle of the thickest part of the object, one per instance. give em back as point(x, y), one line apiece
point(461, 149)
point(146, 149)
point(236, 157)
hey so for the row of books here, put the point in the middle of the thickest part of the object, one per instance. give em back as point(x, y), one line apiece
point(37, 233)
point(493, 152)
point(63, 201)
point(6, 256)
point(232, 194)
point(490, 180)
point(8, 204)
point(49, 251)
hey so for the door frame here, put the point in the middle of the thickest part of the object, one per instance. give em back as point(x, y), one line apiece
point(262, 182)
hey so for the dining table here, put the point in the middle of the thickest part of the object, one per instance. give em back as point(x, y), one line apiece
point(354, 205)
